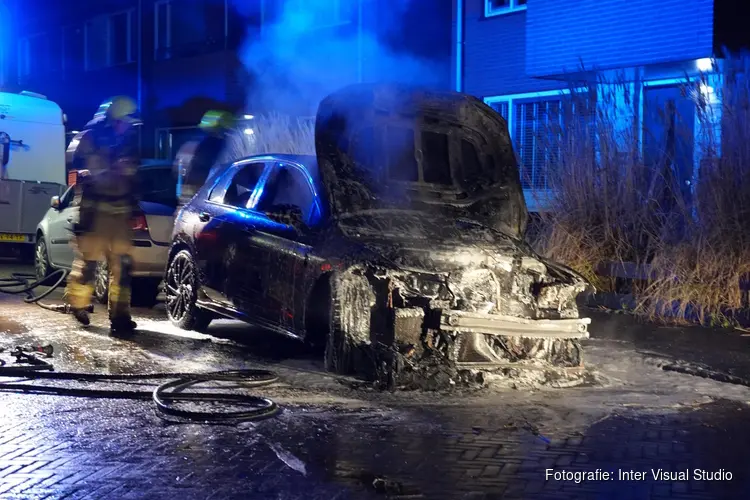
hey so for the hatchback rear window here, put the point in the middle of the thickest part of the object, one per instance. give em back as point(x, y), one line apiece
point(158, 185)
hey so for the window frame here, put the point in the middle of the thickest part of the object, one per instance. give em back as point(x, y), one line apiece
point(222, 183)
point(310, 184)
point(168, 38)
point(131, 56)
point(168, 6)
point(24, 55)
point(337, 21)
point(67, 198)
point(537, 199)
point(491, 11)
point(64, 41)
point(168, 148)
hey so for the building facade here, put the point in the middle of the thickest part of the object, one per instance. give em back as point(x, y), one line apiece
point(179, 58)
point(522, 56)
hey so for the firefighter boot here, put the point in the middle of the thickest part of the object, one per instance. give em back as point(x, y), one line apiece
point(82, 316)
point(79, 290)
point(122, 325)
point(119, 296)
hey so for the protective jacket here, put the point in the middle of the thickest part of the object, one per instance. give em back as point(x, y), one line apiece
point(110, 186)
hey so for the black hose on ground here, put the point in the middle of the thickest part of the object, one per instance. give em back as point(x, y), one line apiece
point(171, 391)
point(168, 392)
point(24, 280)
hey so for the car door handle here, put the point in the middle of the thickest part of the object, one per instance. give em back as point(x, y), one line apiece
point(70, 219)
point(204, 216)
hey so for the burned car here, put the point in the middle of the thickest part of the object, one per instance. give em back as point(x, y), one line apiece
point(401, 241)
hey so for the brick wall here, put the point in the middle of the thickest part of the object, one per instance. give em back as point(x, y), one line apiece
point(615, 33)
point(495, 53)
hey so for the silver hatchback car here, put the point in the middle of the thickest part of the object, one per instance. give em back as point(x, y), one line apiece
point(152, 235)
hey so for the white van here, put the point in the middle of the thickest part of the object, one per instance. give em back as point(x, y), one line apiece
point(32, 165)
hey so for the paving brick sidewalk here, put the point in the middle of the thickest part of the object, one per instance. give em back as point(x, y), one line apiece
point(58, 448)
point(358, 445)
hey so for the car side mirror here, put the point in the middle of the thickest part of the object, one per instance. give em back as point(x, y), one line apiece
point(55, 202)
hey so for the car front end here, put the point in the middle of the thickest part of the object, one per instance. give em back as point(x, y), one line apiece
point(472, 293)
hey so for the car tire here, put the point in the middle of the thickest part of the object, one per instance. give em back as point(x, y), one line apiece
point(181, 285)
point(349, 308)
point(41, 259)
point(144, 292)
point(101, 283)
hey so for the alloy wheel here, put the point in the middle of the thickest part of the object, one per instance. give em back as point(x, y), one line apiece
point(40, 259)
point(179, 287)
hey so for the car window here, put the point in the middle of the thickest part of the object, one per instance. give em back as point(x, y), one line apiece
point(158, 185)
point(237, 188)
point(289, 185)
point(68, 198)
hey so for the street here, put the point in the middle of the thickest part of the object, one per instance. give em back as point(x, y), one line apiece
point(337, 438)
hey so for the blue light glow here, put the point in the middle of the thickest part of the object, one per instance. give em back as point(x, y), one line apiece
point(704, 65)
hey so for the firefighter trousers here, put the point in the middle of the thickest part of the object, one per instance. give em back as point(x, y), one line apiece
point(110, 241)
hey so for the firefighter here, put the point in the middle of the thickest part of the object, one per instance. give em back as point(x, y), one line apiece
point(108, 151)
point(195, 159)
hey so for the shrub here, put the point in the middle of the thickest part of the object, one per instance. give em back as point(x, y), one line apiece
point(273, 133)
point(613, 205)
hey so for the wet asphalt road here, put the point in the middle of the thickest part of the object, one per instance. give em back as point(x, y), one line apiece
point(337, 439)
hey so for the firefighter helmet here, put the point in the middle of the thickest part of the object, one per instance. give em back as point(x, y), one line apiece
point(217, 120)
point(121, 108)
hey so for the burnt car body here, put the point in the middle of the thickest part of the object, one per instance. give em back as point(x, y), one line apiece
point(402, 238)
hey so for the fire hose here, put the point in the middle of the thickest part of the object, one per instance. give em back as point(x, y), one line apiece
point(24, 280)
point(32, 367)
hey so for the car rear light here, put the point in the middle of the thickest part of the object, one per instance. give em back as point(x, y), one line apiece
point(138, 223)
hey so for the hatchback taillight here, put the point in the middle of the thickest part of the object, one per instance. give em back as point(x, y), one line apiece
point(138, 223)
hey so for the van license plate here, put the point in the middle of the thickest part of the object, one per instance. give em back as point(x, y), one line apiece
point(12, 237)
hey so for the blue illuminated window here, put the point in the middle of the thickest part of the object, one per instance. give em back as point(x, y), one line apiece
point(502, 108)
point(497, 7)
point(537, 126)
point(37, 55)
point(303, 14)
point(73, 49)
point(188, 28)
point(110, 40)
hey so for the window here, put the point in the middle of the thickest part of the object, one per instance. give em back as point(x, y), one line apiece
point(537, 126)
point(68, 198)
point(306, 14)
point(34, 56)
point(288, 186)
point(237, 188)
point(169, 141)
point(185, 27)
point(158, 185)
point(73, 49)
point(502, 108)
point(110, 40)
point(497, 7)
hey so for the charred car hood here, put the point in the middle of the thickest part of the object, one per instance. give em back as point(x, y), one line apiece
point(403, 240)
point(463, 263)
point(398, 147)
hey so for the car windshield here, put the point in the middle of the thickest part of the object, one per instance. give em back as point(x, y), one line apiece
point(158, 185)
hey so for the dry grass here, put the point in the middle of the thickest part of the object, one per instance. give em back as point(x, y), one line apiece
point(613, 207)
point(274, 133)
